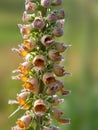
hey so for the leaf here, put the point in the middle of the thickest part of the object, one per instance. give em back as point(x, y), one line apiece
point(14, 112)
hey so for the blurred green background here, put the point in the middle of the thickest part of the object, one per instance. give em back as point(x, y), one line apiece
point(81, 31)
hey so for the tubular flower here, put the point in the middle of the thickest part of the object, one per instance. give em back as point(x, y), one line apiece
point(59, 70)
point(39, 72)
point(55, 55)
point(31, 85)
point(38, 23)
point(40, 107)
point(52, 17)
point(39, 62)
point(26, 17)
point(47, 40)
point(25, 67)
point(25, 30)
point(30, 6)
point(29, 45)
point(24, 121)
point(48, 79)
point(22, 97)
point(45, 3)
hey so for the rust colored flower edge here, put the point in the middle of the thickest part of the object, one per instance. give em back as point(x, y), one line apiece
point(41, 53)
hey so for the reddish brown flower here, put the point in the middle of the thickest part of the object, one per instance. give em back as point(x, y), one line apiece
point(59, 70)
point(39, 62)
point(40, 107)
point(55, 55)
point(49, 79)
point(61, 47)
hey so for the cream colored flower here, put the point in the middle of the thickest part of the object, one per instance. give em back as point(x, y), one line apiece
point(25, 67)
point(32, 85)
point(24, 121)
point(22, 97)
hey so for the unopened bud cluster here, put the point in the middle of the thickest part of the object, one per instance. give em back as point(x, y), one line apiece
point(42, 55)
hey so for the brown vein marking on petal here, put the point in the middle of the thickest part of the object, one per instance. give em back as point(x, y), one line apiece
point(39, 62)
point(40, 108)
point(50, 80)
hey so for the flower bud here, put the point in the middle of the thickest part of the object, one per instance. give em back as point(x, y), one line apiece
point(30, 6)
point(52, 17)
point(39, 62)
point(24, 121)
point(25, 30)
point(56, 2)
point(60, 86)
point(25, 67)
point(40, 107)
point(54, 55)
point(61, 14)
point(31, 85)
point(58, 32)
point(49, 79)
point(22, 97)
point(60, 23)
point(45, 3)
point(29, 44)
point(26, 17)
point(47, 40)
point(59, 70)
point(52, 89)
point(64, 121)
point(61, 47)
point(57, 100)
point(38, 23)
point(57, 113)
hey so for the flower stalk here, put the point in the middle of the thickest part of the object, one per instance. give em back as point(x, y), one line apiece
point(42, 55)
